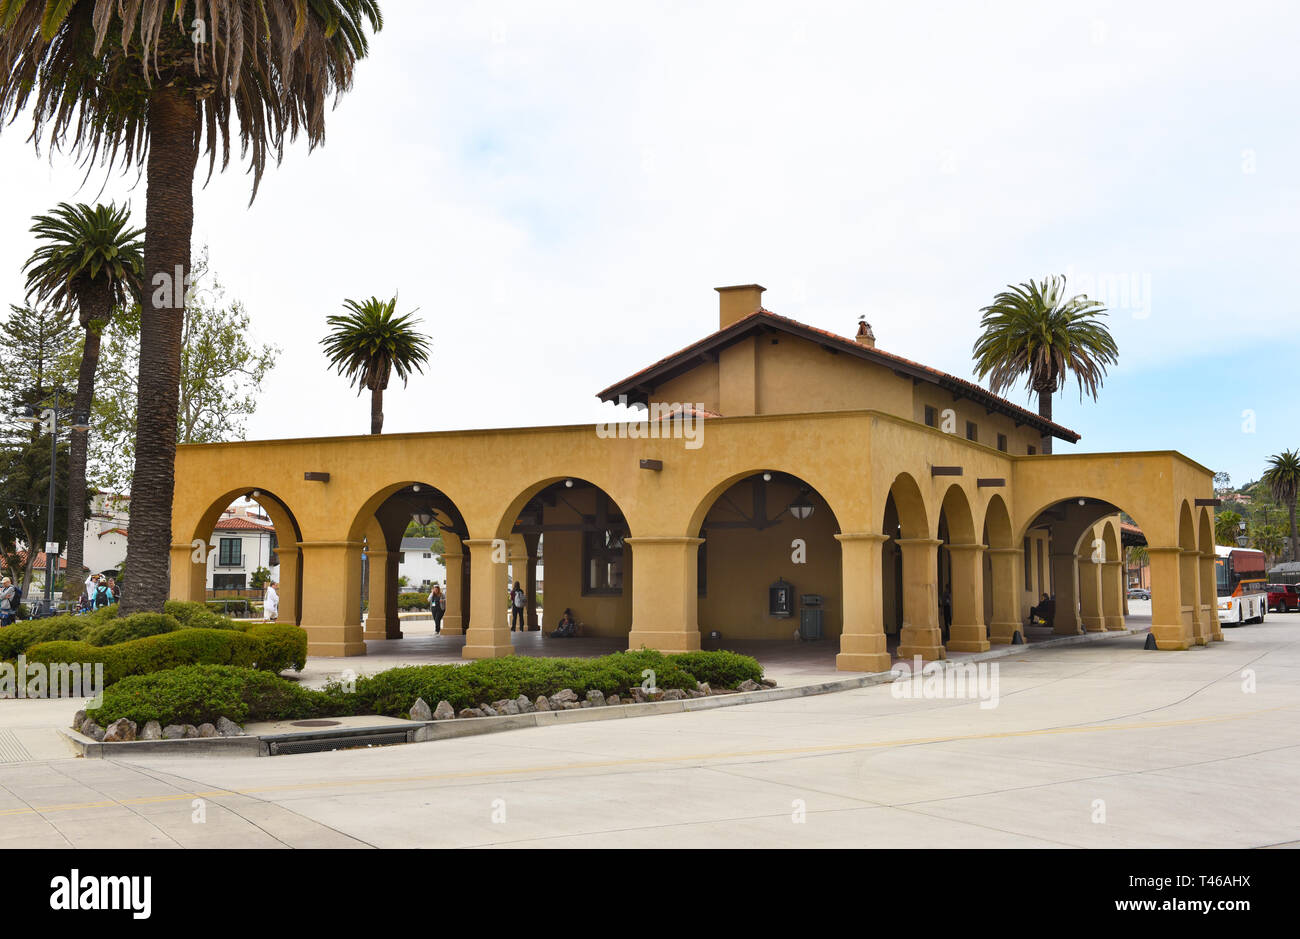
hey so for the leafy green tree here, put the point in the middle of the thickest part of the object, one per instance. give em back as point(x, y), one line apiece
point(90, 258)
point(1282, 478)
point(1269, 539)
point(1032, 331)
point(416, 530)
point(1227, 524)
point(259, 578)
point(222, 371)
point(369, 343)
point(153, 84)
point(24, 505)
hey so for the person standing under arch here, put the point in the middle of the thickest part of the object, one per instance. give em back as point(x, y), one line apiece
point(518, 599)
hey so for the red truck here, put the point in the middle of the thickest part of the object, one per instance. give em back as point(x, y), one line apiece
point(1283, 598)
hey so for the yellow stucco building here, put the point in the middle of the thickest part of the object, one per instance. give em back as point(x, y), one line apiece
point(771, 453)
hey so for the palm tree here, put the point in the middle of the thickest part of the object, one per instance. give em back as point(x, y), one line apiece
point(155, 84)
point(1030, 330)
point(90, 257)
point(1283, 481)
point(1227, 526)
point(369, 343)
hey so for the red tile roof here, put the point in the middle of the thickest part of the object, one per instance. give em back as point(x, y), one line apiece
point(40, 561)
point(762, 318)
point(239, 523)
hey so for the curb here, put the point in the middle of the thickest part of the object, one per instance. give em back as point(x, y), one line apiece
point(424, 731)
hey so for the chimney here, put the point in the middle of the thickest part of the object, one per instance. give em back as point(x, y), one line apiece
point(865, 336)
point(738, 302)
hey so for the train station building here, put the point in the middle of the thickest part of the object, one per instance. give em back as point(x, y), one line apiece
point(782, 477)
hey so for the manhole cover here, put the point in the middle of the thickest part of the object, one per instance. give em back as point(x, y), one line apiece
point(316, 723)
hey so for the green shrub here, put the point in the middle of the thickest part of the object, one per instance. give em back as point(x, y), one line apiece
point(412, 601)
point(282, 646)
point(16, 639)
point(156, 653)
point(194, 615)
point(720, 669)
point(197, 694)
point(126, 628)
point(103, 614)
point(228, 607)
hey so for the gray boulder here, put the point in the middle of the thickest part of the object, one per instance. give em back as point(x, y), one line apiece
point(767, 683)
point(542, 703)
point(444, 711)
point(173, 732)
point(525, 706)
point(92, 730)
point(612, 700)
point(703, 688)
point(420, 711)
point(207, 730)
point(674, 694)
point(749, 685)
point(78, 719)
point(228, 728)
point(509, 707)
point(639, 696)
point(469, 712)
point(191, 732)
point(596, 697)
point(564, 696)
point(152, 731)
point(585, 704)
point(120, 731)
point(488, 710)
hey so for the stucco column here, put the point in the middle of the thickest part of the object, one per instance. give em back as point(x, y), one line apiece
point(376, 622)
point(921, 634)
point(489, 631)
point(1210, 597)
point(290, 564)
point(967, 632)
point(189, 577)
point(330, 611)
point(862, 642)
point(452, 619)
point(530, 543)
point(665, 597)
point(1008, 574)
point(1112, 593)
point(1065, 581)
point(1189, 573)
point(1090, 611)
point(1166, 599)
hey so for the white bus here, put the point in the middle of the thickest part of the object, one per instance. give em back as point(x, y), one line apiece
point(1240, 584)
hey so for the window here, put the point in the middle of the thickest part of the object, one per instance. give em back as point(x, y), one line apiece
point(1002, 442)
point(228, 582)
point(427, 555)
point(1032, 449)
point(931, 417)
point(972, 432)
point(1029, 567)
point(228, 552)
point(275, 558)
point(602, 562)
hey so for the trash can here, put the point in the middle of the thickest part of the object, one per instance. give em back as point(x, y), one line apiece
point(810, 616)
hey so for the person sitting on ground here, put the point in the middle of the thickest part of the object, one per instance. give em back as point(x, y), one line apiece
point(567, 627)
point(1043, 612)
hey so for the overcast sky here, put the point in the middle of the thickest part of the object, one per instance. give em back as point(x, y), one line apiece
point(558, 187)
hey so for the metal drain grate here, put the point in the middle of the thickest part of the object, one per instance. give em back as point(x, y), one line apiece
point(11, 751)
point(322, 744)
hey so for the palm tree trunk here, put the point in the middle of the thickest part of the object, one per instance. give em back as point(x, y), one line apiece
point(77, 463)
point(376, 410)
point(169, 224)
point(1045, 411)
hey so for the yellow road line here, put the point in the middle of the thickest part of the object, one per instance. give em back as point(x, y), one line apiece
point(641, 761)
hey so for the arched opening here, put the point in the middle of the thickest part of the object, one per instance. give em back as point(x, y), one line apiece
point(409, 536)
point(769, 565)
point(909, 566)
point(246, 539)
point(960, 576)
point(1003, 570)
point(567, 547)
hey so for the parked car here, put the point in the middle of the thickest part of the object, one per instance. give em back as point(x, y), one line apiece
point(1283, 598)
point(1139, 593)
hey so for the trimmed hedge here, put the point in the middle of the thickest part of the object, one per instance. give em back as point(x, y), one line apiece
point(283, 646)
point(720, 669)
point(127, 628)
point(197, 694)
point(412, 601)
point(18, 638)
point(197, 615)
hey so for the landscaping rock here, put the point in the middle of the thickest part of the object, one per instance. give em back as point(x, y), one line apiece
point(191, 732)
point(749, 685)
point(767, 683)
point(674, 694)
point(585, 704)
point(78, 719)
point(564, 696)
point(596, 698)
point(542, 703)
point(469, 712)
point(93, 730)
point(509, 707)
point(525, 706)
point(696, 693)
point(444, 711)
point(488, 710)
point(500, 705)
point(152, 731)
point(207, 730)
point(120, 731)
point(613, 700)
point(703, 688)
point(173, 732)
point(228, 728)
point(420, 711)
point(570, 705)
point(639, 696)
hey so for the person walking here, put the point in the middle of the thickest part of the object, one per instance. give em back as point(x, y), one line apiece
point(8, 602)
point(115, 589)
point(271, 602)
point(102, 597)
point(517, 600)
point(437, 606)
